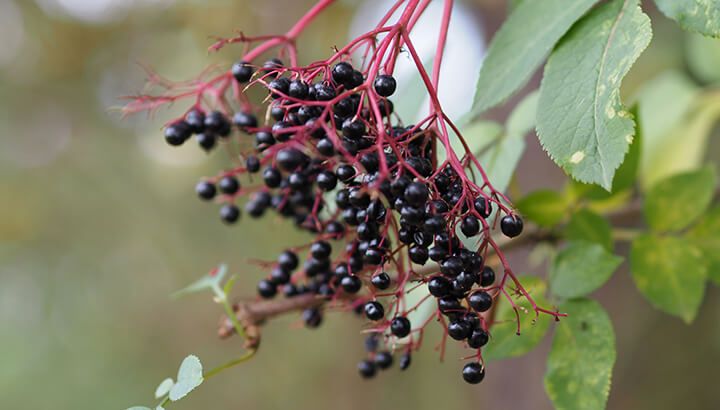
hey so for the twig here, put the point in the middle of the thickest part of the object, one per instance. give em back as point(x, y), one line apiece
point(253, 314)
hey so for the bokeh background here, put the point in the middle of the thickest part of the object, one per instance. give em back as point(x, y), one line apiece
point(99, 224)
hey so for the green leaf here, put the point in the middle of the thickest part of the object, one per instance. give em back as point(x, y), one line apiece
point(478, 135)
point(210, 281)
point(581, 268)
point(705, 235)
point(703, 57)
point(189, 377)
point(139, 408)
point(579, 367)
point(586, 225)
point(626, 174)
point(663, 102)
point(670, 273)
point(674, 203)
point(522, 119)
point(701, 16)
point(501, 160)
point(505, 342)
point(683, 147)
point(521, 45)
point(581, 122)
point(164, 387)
point(544, 207)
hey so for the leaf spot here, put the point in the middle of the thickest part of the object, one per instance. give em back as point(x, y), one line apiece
point(577, 157)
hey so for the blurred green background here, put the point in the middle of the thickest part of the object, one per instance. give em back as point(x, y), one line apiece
point(99, 224)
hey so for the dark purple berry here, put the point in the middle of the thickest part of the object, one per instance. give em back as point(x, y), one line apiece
point(478, 339)
point(242, 71)
point(384, 360)
point(400, 326)
point(229, 213)
point(381, 281)
point(205, 190)
point(374, 311)
point(385, 85)
point(177, 133)
point(266, 289)
point(487, 276)
point(229, 185)
point(480, 301)
point(312, 317)
point(511, 225)
point(288, 260)
point(367, 369)
point(473, 373)
point(342, 72)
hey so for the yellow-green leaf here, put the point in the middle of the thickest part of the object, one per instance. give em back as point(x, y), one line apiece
point(705, 235)
point(544, 207)
point(586, 225)
point(581, 268)
point(674, 203)
point(579, 367)
point(670, 273)
point(504, 341)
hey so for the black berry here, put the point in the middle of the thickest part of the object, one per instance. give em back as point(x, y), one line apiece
point(288, 260)
point(400, 326)
point(478, 339)
point(511, 225)
point(480, 301)
point(229, 213)
point(487, 276)
point(374, 310)
point(228, 185)
point(381, 281)
point(439, 286)
point(473, 373)
point(383, 360)
point(367, 369)
point(205, 190)
point(242, 71)
point(385, 85)
point(266, 289)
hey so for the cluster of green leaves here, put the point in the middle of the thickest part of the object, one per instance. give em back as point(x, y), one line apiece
point(582, 124)
point(581, 121)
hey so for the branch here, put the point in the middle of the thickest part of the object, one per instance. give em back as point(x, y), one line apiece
point(253, 314)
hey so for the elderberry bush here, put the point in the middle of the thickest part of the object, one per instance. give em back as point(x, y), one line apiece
point(392, 206)
point(368, 187)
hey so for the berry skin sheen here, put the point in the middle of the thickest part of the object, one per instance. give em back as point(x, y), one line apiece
point(242, 71)
point(511, 225)
point(205, 190)
point(374, 310)
point(400, 326)
point(473, 373)
point(385, 85)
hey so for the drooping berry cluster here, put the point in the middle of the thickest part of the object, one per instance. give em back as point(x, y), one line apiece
point(326, 150)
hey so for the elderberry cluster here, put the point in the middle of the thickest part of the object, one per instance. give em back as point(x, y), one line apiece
point(369, 188)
